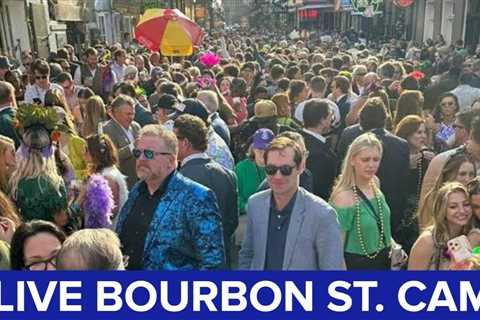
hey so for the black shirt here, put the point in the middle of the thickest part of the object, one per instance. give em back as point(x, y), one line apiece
point(278, 223)
point(137, 224)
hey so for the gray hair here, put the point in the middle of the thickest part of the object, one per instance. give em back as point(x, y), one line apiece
point(98, 249)
point(122, 100)
point(167, 136)
point(210, 99)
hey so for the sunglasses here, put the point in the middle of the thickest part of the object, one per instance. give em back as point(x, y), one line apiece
point(457, 126)
point(147, 153)
point(41, 77)
point(285, 170)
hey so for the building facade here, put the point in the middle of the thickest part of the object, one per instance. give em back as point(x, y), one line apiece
point(235, 10)
point(14, 29)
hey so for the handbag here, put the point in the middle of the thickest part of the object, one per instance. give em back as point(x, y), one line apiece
point(398, 256)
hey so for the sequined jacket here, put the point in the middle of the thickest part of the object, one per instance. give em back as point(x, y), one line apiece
point(186, 230)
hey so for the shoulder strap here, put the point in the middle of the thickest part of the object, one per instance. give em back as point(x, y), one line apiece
point(371, 207)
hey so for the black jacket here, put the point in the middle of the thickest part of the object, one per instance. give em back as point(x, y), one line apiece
point(393, 172)
point(223, 183)
point(344, 108)
point(322, 163)
point(143, 116)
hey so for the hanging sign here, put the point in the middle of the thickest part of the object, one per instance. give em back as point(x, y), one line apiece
point(403, 3)
point(367, 8)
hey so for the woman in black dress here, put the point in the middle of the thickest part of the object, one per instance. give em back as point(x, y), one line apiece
point(412, 128)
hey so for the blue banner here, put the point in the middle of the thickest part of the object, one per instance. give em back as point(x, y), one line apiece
point(239, 295)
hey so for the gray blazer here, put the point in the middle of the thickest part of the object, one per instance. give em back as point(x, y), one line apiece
point(314, 240)
point(125, 156)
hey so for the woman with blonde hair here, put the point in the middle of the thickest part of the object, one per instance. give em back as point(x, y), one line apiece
point(7, 162)
point(452, 217)
point(95, 113)
point(361, 207)
point(459, 168)
point(36, 186)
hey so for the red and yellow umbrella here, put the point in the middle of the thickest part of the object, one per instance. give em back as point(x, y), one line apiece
point(168, 31)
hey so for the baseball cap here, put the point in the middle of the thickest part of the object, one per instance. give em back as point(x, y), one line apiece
point(194, 107)
point(157, 72)
point(166, 101)
point(265, 109)
point(262, 138)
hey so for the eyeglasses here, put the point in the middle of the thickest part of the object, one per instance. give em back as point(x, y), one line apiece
point(285, 170)
point(41, 77)
point(147, 153)
point(42, 265)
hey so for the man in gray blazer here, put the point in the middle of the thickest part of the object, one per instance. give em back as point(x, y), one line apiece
point(123, 132)
point(289, 228)
point(192, 135)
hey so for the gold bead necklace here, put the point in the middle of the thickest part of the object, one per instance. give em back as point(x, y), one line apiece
point(358, 225)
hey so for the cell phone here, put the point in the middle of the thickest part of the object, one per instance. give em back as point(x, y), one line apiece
point(460, 248)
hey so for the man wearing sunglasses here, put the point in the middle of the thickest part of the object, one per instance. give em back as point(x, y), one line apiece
point(289, 228)
point(169, 222)
point(36, 92)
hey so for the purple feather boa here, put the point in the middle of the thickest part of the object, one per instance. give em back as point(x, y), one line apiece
point(98, 203)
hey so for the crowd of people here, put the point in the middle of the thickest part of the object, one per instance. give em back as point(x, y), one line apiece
point(254, 153)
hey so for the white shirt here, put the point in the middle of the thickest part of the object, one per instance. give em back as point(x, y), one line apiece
point(333, 106)
point(202, 155)
point(466, 96)
point(35, 92)
point(316, 135)
point(119, 70)
point(129, 134)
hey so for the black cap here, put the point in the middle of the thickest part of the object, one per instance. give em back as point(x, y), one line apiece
point(166, 101)
point(194, 107)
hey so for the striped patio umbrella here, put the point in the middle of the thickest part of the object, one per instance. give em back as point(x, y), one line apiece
point(168, 31)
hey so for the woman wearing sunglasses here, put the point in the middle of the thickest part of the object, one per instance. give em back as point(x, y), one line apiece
point(444, 115)
point(362, 210)
point(35, 246)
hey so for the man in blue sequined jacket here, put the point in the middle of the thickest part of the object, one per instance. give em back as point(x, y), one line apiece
point(169, 222)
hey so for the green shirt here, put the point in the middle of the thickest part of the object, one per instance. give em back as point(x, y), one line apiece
point(368, 226)
point(249, 177)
